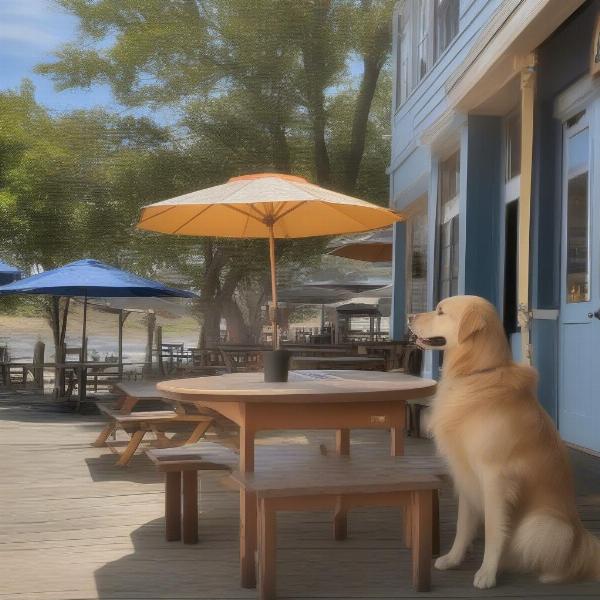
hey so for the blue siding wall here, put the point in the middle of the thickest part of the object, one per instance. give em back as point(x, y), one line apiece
point(427, 102)
point(557, 70)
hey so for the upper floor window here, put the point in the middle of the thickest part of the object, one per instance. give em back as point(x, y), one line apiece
point(424, 29)
point(445, 16)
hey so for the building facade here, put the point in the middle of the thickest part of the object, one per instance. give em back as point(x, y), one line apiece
point(496, 163)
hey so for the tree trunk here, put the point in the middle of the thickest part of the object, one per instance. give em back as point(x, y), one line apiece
point(237, 328)
point(281, 150)
point(368, 85)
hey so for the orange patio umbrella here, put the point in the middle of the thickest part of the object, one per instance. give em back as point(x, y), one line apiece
point(376, 247)
point(265, 205)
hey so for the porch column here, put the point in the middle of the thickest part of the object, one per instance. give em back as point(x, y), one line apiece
point(398, 311)
point(480, 208)
point(528, 78)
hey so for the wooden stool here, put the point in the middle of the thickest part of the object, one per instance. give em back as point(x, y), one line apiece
point(181, 467)
point(336, 483)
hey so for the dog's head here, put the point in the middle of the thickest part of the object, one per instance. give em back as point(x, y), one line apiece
point(454, 321)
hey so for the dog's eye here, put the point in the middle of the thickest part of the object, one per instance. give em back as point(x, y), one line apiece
point(440, 312)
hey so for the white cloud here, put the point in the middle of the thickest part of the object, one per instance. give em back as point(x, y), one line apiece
point(26, 9)
point(28, 34)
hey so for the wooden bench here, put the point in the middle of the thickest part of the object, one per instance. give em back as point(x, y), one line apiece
point(181, 467)
point(159, 422)
point(342, 483)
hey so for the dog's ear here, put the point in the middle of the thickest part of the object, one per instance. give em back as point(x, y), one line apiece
point(471, 322)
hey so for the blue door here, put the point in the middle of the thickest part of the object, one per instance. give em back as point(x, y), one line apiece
point(579, 377)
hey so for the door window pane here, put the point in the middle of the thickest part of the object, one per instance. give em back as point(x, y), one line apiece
point(577, 271)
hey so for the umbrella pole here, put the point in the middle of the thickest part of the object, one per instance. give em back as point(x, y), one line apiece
point(121, 321)
point(273, 286)
point(84, 330)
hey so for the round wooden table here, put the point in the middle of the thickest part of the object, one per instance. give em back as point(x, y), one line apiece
point(340, 400)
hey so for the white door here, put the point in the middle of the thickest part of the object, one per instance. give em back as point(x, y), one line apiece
point(579, 380)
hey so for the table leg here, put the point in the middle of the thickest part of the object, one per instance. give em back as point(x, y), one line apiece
point(397, 438)
point(173, 506)
point(435, 525)
point(104, 434)
point(189, 521)
point(340, 516)
point(421, 506)
point(267, 551)
point(132, 446)
point(82, 387)
point(342, 442)
point(340, 520)
point(247, 511)
point(247, 538)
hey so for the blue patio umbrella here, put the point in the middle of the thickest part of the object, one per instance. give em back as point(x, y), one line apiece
point(91, 279)
point(8, 273)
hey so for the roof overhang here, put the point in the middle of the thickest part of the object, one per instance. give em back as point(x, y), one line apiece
point(516, 30)
point(498, 55)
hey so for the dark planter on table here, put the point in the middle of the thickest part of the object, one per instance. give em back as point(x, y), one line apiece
point(277, 365)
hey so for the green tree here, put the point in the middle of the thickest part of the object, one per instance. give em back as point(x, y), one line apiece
point(263, 85)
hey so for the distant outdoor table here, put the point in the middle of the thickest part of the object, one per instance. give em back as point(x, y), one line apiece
point(340, 400)
point(362, 363)
point(81, 370)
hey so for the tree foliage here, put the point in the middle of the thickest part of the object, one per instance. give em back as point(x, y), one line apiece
point(266, 85)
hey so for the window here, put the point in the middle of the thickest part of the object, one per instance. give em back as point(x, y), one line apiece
point(416, 275)
point(449, 191)
point(445, 16)
point(511, 239)
point(424, 29)
point(421, 39)
point(402, 59)
point(577, 209)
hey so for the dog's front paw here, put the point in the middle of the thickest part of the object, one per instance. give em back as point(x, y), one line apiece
point(448, 561)
point(485, 578)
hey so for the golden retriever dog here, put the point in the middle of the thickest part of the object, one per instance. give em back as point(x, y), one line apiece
point(509, 466)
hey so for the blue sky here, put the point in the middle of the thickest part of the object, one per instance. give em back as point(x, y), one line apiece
point(30, 30)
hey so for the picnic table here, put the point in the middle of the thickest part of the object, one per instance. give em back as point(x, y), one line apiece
point(339, 400)
point(81, 370)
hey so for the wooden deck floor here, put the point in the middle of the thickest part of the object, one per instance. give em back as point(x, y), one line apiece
point(75, 527)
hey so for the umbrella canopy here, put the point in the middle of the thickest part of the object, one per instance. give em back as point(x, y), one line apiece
point(166, 307)
point(377, 247)
point(91, 278)
point(8, 273)
point(265, 205)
